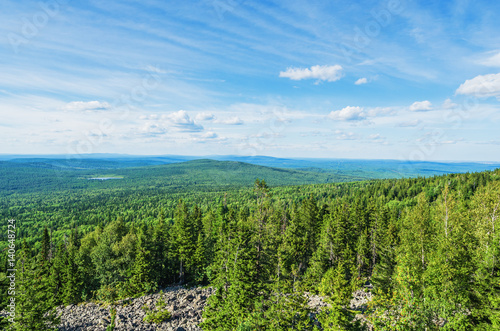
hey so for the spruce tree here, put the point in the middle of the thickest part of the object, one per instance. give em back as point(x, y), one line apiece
point(199, 259)
point(73, 285)
point(184, 240)
point(141, 281)
point(34, 295)
point(287, 306)
point(240, 287)
point(485, 215)
point(337, 285)
point(57, 273)
point(449, 274)
point(160, 250)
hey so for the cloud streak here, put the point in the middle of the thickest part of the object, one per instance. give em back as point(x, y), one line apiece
point(86, 105)
point(183, 122)
point(322, 73)
point(231, 121)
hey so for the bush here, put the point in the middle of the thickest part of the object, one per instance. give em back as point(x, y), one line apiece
point(159, 315)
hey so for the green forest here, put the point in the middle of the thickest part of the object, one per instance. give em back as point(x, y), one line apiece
point(427, 248)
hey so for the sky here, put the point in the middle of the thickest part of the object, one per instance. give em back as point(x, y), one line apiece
point(395, 79)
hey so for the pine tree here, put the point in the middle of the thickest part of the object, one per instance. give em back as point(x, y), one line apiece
point(337, 285)
point(162, 268)
point(73, 285)
point(141, 281)
point(382, 276)
point(287, 306)
point(451, 265)
point(57, 274)
point(84, 260)
point(240, 287)
point(332, 243)
point(199, 260)
point(485, 215)
point(46, 245)
point(404, 308)
point(34, 295)
point(184, 242)
point(363, 254)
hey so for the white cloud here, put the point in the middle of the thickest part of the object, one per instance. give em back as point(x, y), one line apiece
point(448, 104)
point(183, 122)
point(204, 117)
point(151, 129)
point(348, 113)
point(231, 121)
point(89, 105)
point(340, 135)
point(381, 111)
point(378, 139)
point(482, 86)
point(361, 81)
point(327, 73)
point(492, 61)
point(421, 106)
point(209, 135)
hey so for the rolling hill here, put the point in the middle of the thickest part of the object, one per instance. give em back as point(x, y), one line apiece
point(34, 175)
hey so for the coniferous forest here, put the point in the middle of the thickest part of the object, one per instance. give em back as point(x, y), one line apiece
point(261, 165)
point(427, 248)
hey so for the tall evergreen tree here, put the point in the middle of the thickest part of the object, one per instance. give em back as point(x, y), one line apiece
point(34, 295)
point(73, 285)
point(184, 239)
point(337, 285)
point(239, 294)
point(142, 278)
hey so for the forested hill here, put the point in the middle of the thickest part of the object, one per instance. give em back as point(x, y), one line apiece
point(31, 174)
point(429, 246)
point(361, 168)
point(37, 175)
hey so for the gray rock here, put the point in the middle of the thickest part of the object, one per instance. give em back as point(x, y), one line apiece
point(186, 306)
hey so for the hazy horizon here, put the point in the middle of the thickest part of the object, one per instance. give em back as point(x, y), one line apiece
point(113, 155)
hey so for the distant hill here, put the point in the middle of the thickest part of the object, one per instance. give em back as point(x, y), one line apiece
point(337, 167)
point(33, 175)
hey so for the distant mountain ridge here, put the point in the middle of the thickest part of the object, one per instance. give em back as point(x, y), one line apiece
point(32, 175)
point(364, 168)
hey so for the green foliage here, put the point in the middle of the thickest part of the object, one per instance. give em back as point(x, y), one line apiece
point(34, 294)
point(111, 325)
point(4, 297)
point(158, 315)
point(430, 247)
point(337, 285)
point(141, 280)
point(203, 175)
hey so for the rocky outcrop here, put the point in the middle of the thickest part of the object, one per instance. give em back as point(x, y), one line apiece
point(185, 305)
point(360, 300)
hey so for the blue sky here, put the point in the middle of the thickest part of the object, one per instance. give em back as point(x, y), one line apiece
point(395, 79)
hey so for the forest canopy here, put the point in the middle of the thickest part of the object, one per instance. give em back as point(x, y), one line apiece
point(428, 248)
